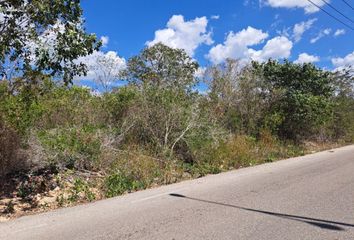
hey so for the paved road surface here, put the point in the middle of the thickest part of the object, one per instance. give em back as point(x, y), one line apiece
point(310, 197)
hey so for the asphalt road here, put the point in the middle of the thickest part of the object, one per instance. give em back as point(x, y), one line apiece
point(309, 197)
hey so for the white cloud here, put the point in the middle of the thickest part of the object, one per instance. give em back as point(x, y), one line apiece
point(307, 58)
point(102, 65)
point(300, 28)
point(278, 47)
point(305, 4)
point(188, 35)
point(346, 61)
point(105, 41)
point(339, 32)
point(200, 72)
point(321, 34)
point(236, 44)
point(215, 17)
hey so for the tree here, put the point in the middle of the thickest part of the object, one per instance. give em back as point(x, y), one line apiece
point(163, 118)
point(166, 110)
point(43, 37)
point(303, 96)
point(104, 68)
point(343, 81)
point(238, 96)
point(342, 123)
point(163, 67)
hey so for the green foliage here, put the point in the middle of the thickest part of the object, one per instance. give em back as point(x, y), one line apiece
point(73, 148)
point(156, 129)
point(20, 110)
point(118, 183)
point(238, 97)
point(162, 67)
point(118, 103)
point(80, 190)
point(235, 153)
point(342, 122)
point(161, 119)
point(303, 97)
point(70, 107)
point(21, 43)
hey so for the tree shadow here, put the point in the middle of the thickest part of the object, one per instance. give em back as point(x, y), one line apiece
point(321, 223)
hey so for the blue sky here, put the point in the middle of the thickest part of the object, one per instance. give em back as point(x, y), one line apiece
point(213, 30)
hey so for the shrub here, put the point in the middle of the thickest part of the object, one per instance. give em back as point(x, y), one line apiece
point(20, 112)
point(74, 148)
point(119, 183)
point(161, 119)
point(133, 169)
point(81, 190)
point(304, 101)
point(68, 107)
point(235, 152)
point(117, 104)
point(10, 159)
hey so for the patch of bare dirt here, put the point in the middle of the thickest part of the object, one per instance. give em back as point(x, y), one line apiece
point(26, 194)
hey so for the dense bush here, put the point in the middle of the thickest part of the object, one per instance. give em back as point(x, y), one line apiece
point(67, 107)
point(73, 148)
point(304, 97)
point(157, 129)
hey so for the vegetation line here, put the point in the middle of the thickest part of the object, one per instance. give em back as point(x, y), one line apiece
point(61, 144)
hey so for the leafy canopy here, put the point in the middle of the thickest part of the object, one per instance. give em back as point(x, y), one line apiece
point(163, 67)
point(43, 37)
point(304, 96)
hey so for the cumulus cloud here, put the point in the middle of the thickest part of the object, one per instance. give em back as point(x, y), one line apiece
point(301, 28)
point(100, 64)
point(343, 62)
point(305, 4)
point(215, 17)
point(105, 41)
point(321, 34)
point(236, 44)
point(307, 58)
point(187, 35)
point(339, 32)
point(278, 47)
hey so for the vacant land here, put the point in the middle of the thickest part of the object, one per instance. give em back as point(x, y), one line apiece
point(306, 197)
point(170, 119)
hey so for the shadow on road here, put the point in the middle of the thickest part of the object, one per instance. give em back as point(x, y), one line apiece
point(324, 224)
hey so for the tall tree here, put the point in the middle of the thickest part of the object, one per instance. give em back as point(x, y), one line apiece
point(43, 37)
point(343, 112)
point(166, 110)
point(237, 95)
point(163, 67)
point(304, 96)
